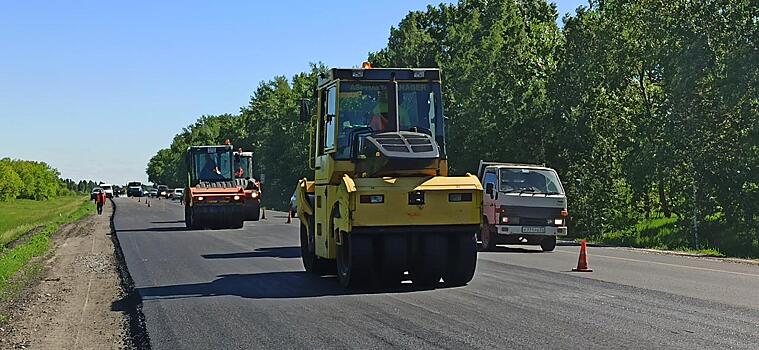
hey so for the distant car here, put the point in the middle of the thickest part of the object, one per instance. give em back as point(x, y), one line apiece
point(162, 191)
point(153, 192)
point(177, 194)
point(108, 189)
point(293, 206)
point(95, 192)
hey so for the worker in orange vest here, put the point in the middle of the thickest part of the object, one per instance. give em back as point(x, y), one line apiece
point(100, 201)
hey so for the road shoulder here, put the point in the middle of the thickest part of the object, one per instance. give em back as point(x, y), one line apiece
point(70, 305)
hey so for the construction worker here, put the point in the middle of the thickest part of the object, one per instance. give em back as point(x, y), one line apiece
point(100, 201)
point(210, 170)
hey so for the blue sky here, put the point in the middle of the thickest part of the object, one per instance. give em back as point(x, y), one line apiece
point(135, 73)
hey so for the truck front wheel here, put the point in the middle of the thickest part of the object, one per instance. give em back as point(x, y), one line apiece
point(548, 244)
point(488, 237)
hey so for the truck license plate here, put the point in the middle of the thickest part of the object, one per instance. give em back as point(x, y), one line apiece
point(533, 229)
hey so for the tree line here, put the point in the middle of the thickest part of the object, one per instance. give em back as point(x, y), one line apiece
point(647, 109)
point(23, 179)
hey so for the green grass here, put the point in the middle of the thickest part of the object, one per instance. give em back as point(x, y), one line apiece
point(672, 234)
point(21, 216)
point(16, 259)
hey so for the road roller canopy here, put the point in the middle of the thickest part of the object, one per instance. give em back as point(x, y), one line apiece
point(356, 103)
point(210, 164)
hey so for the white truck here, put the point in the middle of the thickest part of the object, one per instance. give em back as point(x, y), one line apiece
point(522, 204)
point(108, 189)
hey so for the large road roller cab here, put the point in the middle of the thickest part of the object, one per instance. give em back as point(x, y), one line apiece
point(244, 178)
point(212, 198)
point(382, 207)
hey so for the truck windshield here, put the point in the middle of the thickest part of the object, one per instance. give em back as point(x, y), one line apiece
point(365, 106)
point(213, 166)
point(530, 180)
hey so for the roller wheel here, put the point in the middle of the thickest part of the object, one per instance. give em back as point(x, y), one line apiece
point(311, 262)
point(353, 257)
point(548, 244)
point(462, 260)
point(429, 263)
point(488, 237)
point(392, 262)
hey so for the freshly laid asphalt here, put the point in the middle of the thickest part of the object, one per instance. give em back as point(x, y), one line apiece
point(246, 289)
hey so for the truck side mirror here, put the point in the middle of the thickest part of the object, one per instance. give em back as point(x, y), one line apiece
point(305, 110)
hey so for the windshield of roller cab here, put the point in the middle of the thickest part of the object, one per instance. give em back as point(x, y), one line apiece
point(364, 106)
point(530, 181)
point(212, 165)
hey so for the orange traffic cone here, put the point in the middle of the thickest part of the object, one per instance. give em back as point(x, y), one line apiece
point(289, 216)
point(148, 203)
point(263, 213)
point(582, 262)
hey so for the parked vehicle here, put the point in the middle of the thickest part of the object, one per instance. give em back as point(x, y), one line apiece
point(523, 204)
point(293, 207)
point(177, 194)
point(162, 191)
point(108, 189)
point(95, 192)
point(134, 189)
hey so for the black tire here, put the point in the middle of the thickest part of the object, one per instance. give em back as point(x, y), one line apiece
point(429, 262)
point(548, 244)
point(311, 262)
point(188, 217)
point(252, 212)
point(238, 224)
point(487, 236)
point(462, 260)
point(353, 257)
point(392, 260)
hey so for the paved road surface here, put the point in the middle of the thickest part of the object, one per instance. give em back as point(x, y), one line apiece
point(246, 289)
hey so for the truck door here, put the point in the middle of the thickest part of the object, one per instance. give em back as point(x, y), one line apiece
point(489, 182)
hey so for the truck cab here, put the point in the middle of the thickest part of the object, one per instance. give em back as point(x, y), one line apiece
point(523, 204)
point(134, 189)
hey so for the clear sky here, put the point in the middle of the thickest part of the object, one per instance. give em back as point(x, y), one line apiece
point(136, 72)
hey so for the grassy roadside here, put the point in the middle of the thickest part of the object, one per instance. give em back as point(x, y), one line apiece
point(660, 233)
point(15, 261)
point(22, 215)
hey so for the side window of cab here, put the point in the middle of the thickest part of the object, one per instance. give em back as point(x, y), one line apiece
point(330, 118)
point(490, 181)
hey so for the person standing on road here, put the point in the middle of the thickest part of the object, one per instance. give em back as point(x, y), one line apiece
point(100, 201)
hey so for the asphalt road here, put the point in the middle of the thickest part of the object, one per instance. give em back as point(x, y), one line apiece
point(246, 289)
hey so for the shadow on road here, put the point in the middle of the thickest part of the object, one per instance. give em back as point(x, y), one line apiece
point(273, 252)
point(156, 229)
point(268, 285)
point(168, 222)
point(502, 249)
